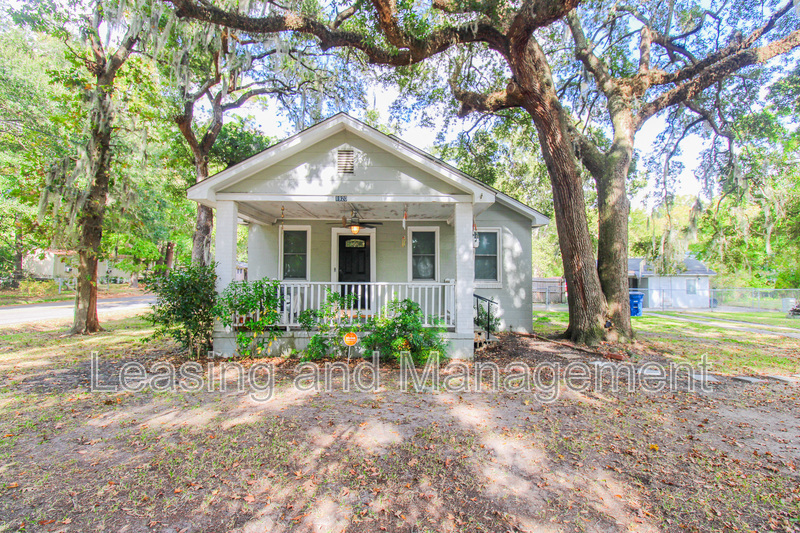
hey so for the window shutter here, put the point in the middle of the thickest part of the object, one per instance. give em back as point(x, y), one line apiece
point(345, 162)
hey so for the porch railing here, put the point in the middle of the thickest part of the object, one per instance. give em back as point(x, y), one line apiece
point(436, 300)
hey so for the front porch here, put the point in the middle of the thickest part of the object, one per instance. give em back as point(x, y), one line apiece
point(421, 258)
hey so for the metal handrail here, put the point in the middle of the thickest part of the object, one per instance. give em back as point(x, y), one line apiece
point(489, 303)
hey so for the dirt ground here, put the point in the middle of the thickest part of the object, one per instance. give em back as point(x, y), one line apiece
point(391, 460)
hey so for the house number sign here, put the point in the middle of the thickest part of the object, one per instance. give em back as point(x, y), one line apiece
point(341, 198)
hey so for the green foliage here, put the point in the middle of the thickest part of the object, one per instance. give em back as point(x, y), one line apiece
point(136, 254)
point(329, 326)
point(482, 316)
point(749, 232)
point(400, 328)
point(251, 309)
point(237, 141)
point(30, 136)
point(185, 301)
point(663, 236)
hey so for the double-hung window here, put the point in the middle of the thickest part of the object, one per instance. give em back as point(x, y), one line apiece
point(487, 256)
point(424, 249)
point(691, 286)
point(295, 254)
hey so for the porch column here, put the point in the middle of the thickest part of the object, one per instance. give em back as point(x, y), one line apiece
point(262, 252)
point(462, 345)
point(225, 244)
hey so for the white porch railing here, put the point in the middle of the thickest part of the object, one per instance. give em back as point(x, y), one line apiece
point(436, 300)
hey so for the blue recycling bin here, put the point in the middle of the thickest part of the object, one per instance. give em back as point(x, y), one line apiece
point(637, 301)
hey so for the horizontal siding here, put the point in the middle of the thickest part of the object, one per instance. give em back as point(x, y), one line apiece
point(314, 171)
point(515, 307)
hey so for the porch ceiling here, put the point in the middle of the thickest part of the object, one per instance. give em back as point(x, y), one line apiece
point(270, 212)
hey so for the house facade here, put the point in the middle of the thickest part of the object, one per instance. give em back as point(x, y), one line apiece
point(688, 288)
point(343, 207)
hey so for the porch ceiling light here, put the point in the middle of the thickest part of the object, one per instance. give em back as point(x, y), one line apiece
point(355, 228)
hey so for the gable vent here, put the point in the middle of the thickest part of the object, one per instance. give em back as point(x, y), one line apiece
point(345, 162)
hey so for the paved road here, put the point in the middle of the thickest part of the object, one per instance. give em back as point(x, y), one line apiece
point(737, 326)
point(12, 315)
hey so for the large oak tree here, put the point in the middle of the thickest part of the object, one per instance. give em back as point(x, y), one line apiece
point(400, 35)
point(218, 73)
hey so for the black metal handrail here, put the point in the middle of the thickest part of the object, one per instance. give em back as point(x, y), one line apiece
point(489, 303)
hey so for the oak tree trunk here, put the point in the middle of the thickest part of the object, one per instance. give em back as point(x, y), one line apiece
point(19, 252)
point(612, 252)
point(90, 219)
point(204, 224)
point(587, 305)
point(169, 255)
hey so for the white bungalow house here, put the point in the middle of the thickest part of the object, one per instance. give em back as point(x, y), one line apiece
point(53, 264)
point(342, 206)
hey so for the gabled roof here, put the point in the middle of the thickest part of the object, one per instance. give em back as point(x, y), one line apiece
point(639, 268)
point(205, 191)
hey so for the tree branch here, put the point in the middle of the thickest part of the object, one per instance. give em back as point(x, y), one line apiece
point(584, 54)
point(734, 48)
point(715, 72)
point(485, 103)
point(409, 50)
point(645, 39)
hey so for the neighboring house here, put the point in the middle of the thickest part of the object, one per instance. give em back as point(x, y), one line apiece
point(342, 206)
point(689, 288)
point(241, 271)
point(63, 264)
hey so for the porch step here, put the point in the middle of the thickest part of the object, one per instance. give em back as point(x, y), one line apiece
point(481, 341)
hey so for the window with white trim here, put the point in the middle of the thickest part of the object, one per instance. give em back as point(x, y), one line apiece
point(487, 256)
point(424, 249)
point(295, 254)
point(691, 286)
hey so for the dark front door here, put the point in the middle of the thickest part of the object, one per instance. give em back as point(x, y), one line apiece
point(354, 266)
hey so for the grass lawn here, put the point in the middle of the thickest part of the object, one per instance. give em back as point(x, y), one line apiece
point(17, 297)
point(729, 351)
point(762, 320)
point(390, 460)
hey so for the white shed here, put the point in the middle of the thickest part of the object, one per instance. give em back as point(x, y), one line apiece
point(688, 288)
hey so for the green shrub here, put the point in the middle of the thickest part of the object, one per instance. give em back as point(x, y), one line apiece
point(482, 314)
point(252, 309)
point(185, 298)
point(30, 287)
point(400, 329)
point(327, 321)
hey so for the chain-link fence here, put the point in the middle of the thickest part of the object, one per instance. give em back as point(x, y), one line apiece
point(737, 299)
point(780, 300)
